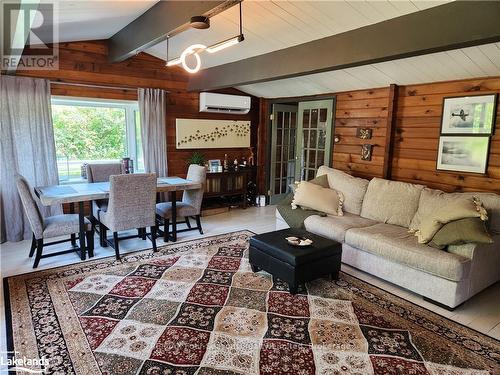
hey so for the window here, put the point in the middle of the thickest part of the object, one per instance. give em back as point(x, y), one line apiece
point(95, 130)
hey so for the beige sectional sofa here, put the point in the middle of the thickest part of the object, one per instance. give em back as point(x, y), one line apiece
point(375, 237)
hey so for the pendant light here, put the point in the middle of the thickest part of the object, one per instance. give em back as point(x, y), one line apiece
point(200, 22)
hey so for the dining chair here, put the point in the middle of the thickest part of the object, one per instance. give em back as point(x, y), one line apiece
point(49, 227)
point(132, 199)
point(190, 206)
point(100, 172)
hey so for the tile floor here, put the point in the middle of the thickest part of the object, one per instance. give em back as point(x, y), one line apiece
point(481, 313)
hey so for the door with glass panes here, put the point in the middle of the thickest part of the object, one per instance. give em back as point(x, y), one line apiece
point(314, 137)
point(283, 155)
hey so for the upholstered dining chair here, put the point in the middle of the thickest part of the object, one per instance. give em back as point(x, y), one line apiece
point(190, 206)
point(49, 227)
point(100, 172)
point(132, 199)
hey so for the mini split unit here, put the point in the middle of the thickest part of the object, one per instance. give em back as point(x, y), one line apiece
point(222, 103)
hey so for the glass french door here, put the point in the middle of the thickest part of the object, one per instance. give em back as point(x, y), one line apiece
point(283, 153)
point(314, 137)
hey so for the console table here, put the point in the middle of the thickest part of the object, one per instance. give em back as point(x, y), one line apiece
point(229, 183)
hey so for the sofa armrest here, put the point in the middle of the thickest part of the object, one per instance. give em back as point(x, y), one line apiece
point(471, 250)
point(485, 263)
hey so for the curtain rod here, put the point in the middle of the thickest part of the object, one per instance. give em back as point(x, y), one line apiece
point(123, 88)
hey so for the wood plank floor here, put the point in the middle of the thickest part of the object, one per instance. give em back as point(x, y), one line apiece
point(481, 313)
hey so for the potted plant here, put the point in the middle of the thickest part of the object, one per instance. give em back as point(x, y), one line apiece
point(196, 158)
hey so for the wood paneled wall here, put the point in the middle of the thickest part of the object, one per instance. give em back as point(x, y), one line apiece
point(361, 109)
point(418, 121)
point(405, 121)
point(86, 63)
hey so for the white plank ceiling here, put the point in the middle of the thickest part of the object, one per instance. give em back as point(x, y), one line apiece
point(277, 24)
point(95, 19)
point(273, 25)
point(473, 62)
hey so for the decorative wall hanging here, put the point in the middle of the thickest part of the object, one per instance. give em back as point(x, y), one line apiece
point(468, 115)
point(196, 134)
point(364, 133)
point(463, 154)
point(366, 152)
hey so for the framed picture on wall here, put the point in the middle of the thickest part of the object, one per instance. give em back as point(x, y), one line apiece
point(468, 115)
point(214, 165)
point(463, 154)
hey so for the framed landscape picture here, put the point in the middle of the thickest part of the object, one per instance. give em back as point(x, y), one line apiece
point(468, 115)
point(463, 154)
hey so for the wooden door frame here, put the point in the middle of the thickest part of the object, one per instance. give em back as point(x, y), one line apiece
point(271, 193)
point(288, 100)
point(328, 157)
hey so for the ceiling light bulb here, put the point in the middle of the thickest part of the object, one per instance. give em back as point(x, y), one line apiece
point(192, 50)
point(225, 44)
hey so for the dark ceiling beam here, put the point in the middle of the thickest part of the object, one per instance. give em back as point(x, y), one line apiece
point(162, 19)
point(445, 27)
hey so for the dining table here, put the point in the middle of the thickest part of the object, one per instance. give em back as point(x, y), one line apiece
point(79, 193)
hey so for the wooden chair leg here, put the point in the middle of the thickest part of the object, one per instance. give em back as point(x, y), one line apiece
point(143, 233)
point(165, 230)
point(73, 239)
point(153, 238)
point(188, 223)
point(103, 234)
point(115, 243)
point(39, 249)
point(198, 224)
point(90, 242)
point(33, 246)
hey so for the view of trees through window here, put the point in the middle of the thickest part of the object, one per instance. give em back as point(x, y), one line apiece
point(85, 133)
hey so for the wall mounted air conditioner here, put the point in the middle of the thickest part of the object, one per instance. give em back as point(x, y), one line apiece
point(222, 103)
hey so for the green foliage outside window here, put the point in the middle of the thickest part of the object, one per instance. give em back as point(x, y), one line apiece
point(89, 133)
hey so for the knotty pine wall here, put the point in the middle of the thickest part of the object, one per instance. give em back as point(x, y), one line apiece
point(366, 109)
point(418, 120)
point(409, 150)
point(405, 123)
point(86, 62)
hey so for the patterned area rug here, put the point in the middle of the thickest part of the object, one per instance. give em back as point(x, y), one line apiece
point(196, 308)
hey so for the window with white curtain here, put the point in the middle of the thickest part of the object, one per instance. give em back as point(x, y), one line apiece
point(95, 130)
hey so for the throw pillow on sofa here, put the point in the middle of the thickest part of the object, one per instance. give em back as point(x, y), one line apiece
point(320, 180)
point(353, 188)
point(458, 232)
point(318, 198)
point(455, 210)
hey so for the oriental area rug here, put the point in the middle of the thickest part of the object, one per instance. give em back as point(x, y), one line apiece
point(195, 307)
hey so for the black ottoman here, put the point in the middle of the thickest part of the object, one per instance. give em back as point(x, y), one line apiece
point(295, 265)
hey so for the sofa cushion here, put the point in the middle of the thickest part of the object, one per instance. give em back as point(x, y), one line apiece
point(391, 202)
point(395, 243)
point(432, 200)
point(335, 227)
point(353, 188)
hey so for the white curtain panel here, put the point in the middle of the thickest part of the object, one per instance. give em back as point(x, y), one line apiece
point(153, 107)
point(27, 147)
